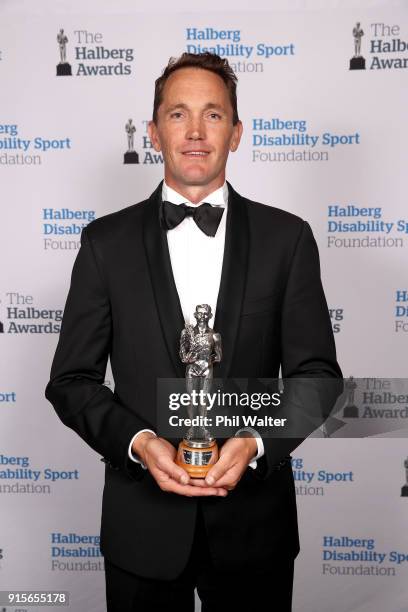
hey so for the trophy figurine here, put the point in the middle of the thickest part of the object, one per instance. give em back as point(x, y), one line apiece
point(63, 68)
point(357, 62)
point(200, 347)
point(130, 157)
point(350, 409)
point(404, 489)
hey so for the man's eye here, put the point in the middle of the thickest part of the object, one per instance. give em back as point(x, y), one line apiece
point(215, 116)
point(176, 115)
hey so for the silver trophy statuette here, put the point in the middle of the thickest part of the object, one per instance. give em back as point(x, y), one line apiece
point(63, 67)
point(357, 34)
point(200, 348)
point(404, 490)
point(130, 130)
point(357, 62)
point(350, 409)
point(130, 157)
point(62, 40)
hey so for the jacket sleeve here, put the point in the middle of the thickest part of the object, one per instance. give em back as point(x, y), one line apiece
point(76, 388)
point(308, 352)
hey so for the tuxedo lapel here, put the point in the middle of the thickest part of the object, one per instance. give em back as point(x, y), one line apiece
point(233, 279)
point(161, 274)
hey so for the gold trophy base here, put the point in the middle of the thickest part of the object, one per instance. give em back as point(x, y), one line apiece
point(197, 457)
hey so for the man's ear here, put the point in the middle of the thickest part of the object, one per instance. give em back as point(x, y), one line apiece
point(236, 136)
point(153, 135)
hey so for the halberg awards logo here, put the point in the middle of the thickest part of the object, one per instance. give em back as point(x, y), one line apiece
point(22, 316)
point(147, 153)
point(382, 401)
point(386, 47)
point(90, 48)
point(357, 62)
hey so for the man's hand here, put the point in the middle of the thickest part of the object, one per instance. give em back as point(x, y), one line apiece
point(159, 455)
point(235, 455)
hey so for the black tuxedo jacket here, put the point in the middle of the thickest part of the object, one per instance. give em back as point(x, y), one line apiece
point(123, 303)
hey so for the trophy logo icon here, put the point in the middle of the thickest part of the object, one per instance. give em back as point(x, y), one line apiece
point(357, 62)
point(350, 409)
point(130, 157)
point(404, 489)
point(200, 348)
point(63, 68)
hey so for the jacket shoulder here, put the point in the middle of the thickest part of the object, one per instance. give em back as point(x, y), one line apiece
point(114, 224)
point(267, 215)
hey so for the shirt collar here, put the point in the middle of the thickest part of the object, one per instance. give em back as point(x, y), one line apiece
point(219, 197)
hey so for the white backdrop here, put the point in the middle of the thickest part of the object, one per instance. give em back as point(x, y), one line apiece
point(341, 166)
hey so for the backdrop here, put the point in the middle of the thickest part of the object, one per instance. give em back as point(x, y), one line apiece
point(323, 97)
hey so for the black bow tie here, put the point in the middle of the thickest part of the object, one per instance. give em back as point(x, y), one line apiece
point(207, 217)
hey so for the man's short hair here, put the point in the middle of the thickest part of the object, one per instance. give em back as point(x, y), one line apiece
point(204, 61)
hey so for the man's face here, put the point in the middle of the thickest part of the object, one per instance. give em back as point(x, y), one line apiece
point(194, 129)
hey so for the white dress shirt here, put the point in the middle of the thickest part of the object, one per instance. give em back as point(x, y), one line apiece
point(189, 247)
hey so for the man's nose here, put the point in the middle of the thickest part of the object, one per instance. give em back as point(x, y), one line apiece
point(195, 129)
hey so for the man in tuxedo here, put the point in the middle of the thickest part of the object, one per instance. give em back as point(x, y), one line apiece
point(135, 284)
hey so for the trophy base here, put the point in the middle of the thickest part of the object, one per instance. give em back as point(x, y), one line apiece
point(357, 63)
point(350, 412)
point(64, 69)
point(404, 491)
point(197, 456)
point(131, 157)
